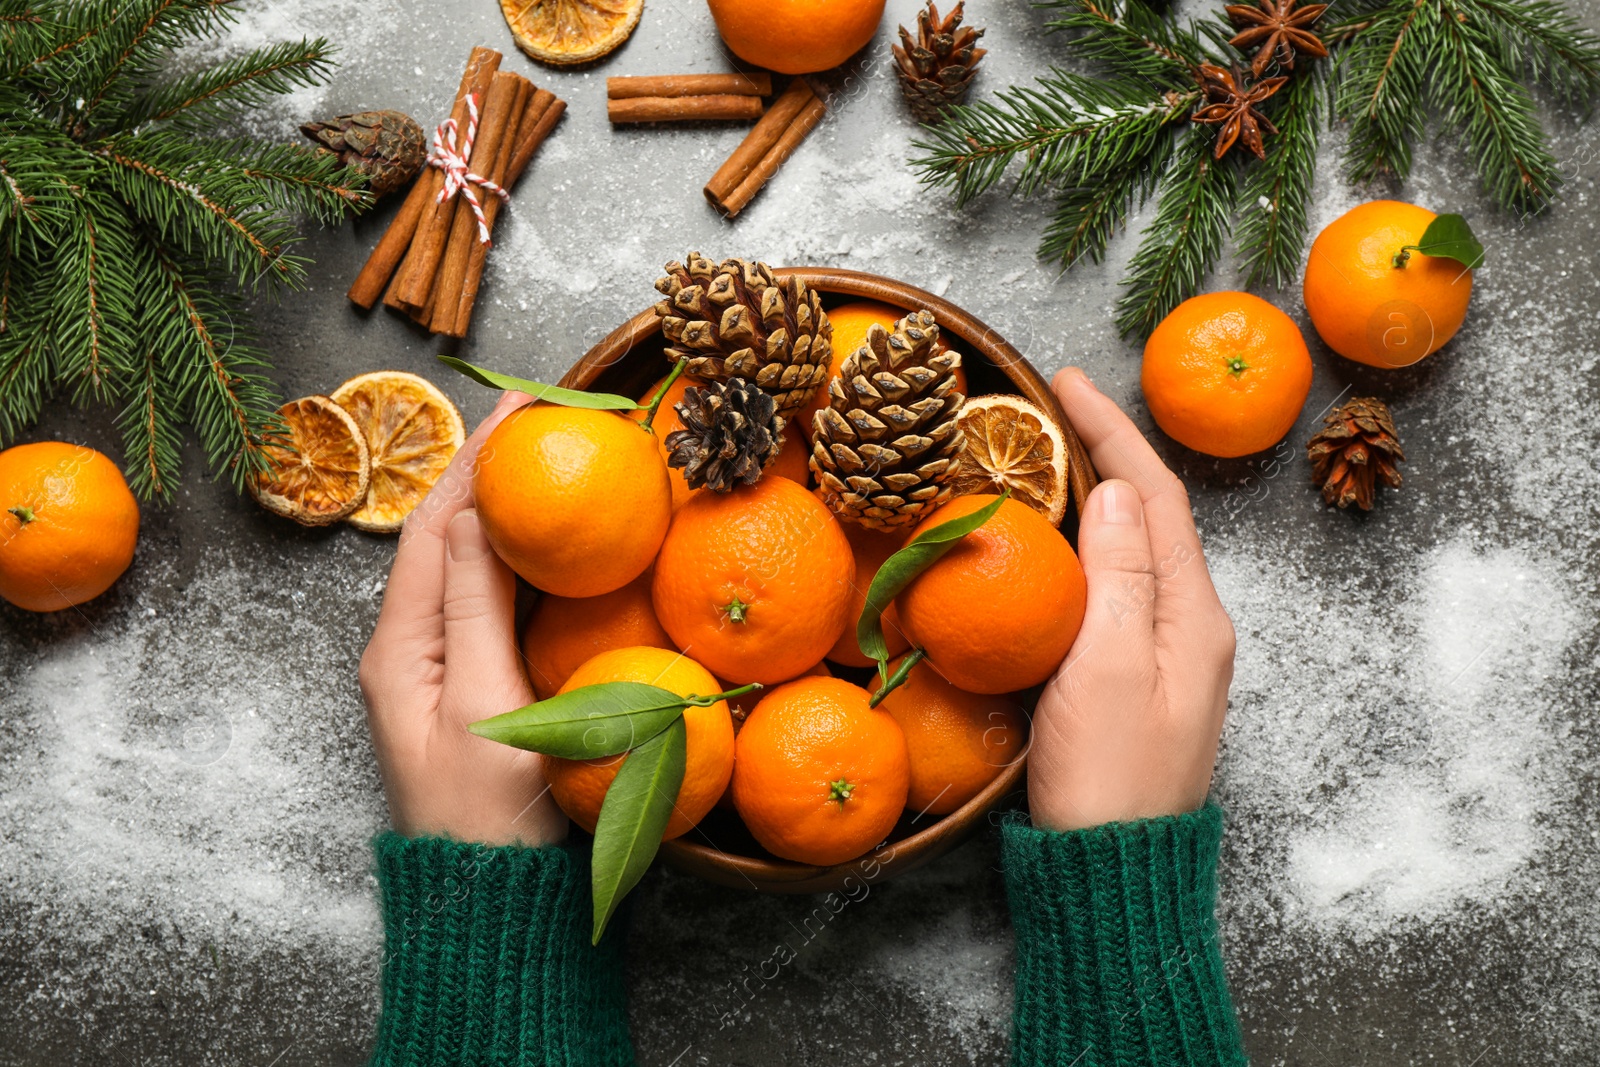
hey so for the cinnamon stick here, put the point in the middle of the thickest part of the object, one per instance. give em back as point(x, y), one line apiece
point(769, 143)
point(417, 273)
point(761, 139)
point(392, 246)
point(502, 111)
point(689, 85)
point(542, 114)
point(682, 108)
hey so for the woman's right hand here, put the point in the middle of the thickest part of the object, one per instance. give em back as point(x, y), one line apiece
point(1128, 727)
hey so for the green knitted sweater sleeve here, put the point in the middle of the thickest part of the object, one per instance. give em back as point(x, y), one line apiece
point(487, 959)
point(1118, 962)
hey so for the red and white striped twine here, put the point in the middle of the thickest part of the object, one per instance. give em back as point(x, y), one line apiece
point(458, 178)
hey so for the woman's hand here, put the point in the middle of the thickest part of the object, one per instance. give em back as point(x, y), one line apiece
point(1128, 727)
point(444, 654)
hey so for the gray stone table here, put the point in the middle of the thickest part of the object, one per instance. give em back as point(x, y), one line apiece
point(187, 788)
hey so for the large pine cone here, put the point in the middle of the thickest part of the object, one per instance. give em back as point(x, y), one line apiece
point(731, 431)
point(387, 146)
point(936, 67)
point(1356, 448)
point(887, 445)
point(735, 320)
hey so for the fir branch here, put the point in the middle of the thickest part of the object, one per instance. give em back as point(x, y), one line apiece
point(1382, 76)
point(1276, 193)
point(1068, 128)
point(128, 237)
point(1540, 40)
point(26, 35)
point(137, 39)
point(151, 436)
point(1496, 114)
point(232, 408)
point(1087, 216)
point(1136, 39)
point(193, 101)
point(298, 178)
point(26, 369)
point(1184, 241)
point(92, 298)
point(201, 206)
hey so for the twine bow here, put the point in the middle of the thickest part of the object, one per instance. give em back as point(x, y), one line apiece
point(458, 177)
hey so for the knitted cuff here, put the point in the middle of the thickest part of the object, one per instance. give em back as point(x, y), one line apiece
point(1117, 954)
point(487, 959)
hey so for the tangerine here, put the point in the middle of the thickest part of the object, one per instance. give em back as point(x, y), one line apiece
point(958, 741)
point(1226, 374)
point(999, 611)
point(579, 786)
point(563, 633)
point(796, 36)
point(820, 776)
point(68, 525)
point(575, 501)
point(1370, 310)
point(756, 583)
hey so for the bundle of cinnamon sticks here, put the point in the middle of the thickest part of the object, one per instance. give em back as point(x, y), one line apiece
point(429, 263)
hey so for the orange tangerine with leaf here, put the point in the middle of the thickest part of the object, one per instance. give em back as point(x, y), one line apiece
point(579, 786)
point(1375, 300)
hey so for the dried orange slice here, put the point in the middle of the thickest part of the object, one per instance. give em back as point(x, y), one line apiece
point(567, 32)
point(1012, 444)
point(324, 475)
point(412, 431)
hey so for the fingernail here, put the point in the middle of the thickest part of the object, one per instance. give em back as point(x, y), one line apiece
point(465, 538)
point(1079, 371)
point(1119, 504)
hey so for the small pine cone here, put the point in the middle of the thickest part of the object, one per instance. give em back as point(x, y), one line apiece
point(387, 146)
point(1355, 449)
point(936, 67)
point(735, 320)
point(731, 432)
point(887, 445)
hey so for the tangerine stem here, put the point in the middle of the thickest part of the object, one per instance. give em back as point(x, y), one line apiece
point(736, 610)
point(23, 513)
point(706, 702)
point(898, 678)
point(840, 791)
point(1402, 257)
point(1237, 366)
point(661, 394)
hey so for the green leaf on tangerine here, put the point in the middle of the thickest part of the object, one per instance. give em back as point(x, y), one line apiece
point(588, 722)
point(1449, 237)
point(555, 394)
point(926, 549)
point(633, 817)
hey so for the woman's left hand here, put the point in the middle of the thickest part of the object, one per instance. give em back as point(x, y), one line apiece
point(444, 654)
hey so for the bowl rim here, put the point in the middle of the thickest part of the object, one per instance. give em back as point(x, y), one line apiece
point(898, 856)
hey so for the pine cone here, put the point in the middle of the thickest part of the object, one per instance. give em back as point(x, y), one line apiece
point(887, 445)
point(735, 320)
point(731, 431)
point(387, 146)
point(936, 68)
point(1356, 447)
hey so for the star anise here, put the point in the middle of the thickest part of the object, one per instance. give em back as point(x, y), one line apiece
point(1279, 28)
point(1231, 104)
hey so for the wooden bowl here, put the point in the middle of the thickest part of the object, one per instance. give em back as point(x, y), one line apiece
point(720, 850)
